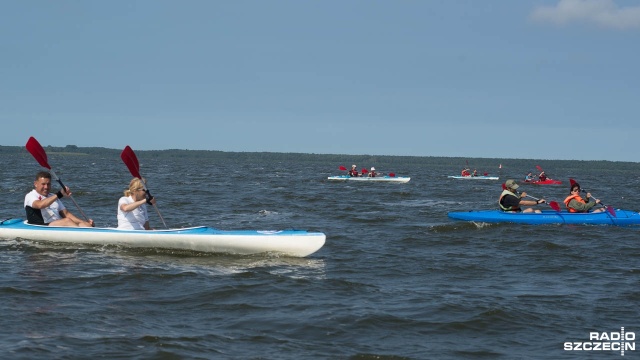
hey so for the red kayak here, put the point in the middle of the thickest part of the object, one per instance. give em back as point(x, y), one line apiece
point(543, 182)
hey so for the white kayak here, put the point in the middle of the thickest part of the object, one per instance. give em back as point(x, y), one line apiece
point(386, 178)
point(296, 243)
point(482, 177)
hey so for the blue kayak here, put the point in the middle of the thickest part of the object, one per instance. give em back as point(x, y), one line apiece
point(622, 217)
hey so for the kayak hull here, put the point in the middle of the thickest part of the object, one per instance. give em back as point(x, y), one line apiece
point(546, 182)
point(396, 179)
point(473, 177)
point(622, 218)
point(296, 243)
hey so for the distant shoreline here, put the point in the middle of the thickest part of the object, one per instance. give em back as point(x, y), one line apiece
point(484, 164)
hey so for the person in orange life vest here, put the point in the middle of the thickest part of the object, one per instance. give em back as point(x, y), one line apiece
point(542, 176)
point(575, 203)
point(353, 172)
point(373, 172)
point(511, 201)
point(465, 172)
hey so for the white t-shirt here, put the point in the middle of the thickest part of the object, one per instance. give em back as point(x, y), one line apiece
point(49, 214)
point(134, 219)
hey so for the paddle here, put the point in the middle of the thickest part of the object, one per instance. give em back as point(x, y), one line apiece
point(131, 160)
point(34, 147)
point(610, 209)
point(554, 204)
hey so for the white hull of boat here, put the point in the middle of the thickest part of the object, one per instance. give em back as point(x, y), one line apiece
point(296, 243)
point(473, 177)
point(397, 179)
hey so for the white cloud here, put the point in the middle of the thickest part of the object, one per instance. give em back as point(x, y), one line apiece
point(604, 13)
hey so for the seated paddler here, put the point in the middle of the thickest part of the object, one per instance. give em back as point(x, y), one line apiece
point(512, 201)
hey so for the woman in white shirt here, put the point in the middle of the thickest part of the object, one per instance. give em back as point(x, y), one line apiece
point(132, 207)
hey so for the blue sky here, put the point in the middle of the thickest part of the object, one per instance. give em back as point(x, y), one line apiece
point(556, 79)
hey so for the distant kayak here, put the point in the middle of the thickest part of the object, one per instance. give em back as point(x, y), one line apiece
point(545, 182)
point(482, 177)
point(622, 217)
point(397, 179)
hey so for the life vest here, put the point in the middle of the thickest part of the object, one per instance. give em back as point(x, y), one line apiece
point(508, 208)
point(575, 197)
point(353, 173)
point(465, 173)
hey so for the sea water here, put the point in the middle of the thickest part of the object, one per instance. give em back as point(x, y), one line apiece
point(396, 279)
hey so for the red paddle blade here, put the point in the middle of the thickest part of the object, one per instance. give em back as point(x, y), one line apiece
point(392, 174)
point(539, 168)
point(504, 187)
point(611, 211)
point(131, 160)
point(572, 182)
point(364, 171)
point(343, 168)
point(554, 205)
point(34, 147)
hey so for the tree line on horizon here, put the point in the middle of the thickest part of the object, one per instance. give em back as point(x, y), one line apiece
point(490, 165)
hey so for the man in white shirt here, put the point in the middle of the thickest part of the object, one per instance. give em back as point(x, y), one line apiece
point(44, 208)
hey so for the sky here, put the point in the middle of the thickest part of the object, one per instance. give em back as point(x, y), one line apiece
point(531, 79)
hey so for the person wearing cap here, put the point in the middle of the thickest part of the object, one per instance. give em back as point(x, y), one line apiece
point(511, 201)
point(353, 172)
point(373, 172)
point(576, 204)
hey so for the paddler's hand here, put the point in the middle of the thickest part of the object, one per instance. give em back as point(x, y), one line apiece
point(541, 201)
point(148, 196)
point(64, 192)
point(523, 195)
point(150, 199)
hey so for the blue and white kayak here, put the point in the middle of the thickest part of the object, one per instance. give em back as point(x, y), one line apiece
point(296, 243)
point(386, 178)
point(482, 177)
point(622, 218)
